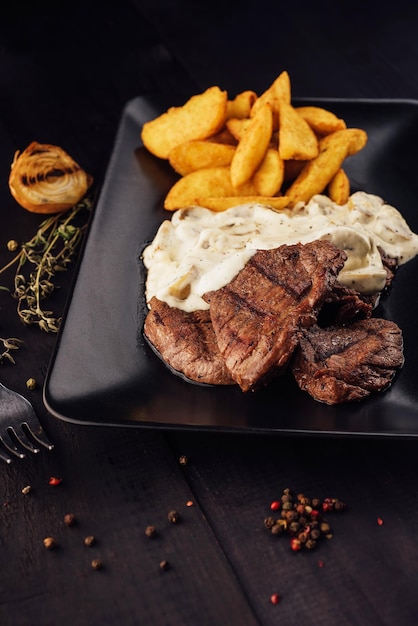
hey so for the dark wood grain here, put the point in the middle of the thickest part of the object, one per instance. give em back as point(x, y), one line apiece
point(65, 77)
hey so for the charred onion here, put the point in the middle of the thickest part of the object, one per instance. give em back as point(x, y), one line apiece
point(45, 179)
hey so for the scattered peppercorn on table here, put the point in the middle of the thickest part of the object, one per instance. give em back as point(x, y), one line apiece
point(189, 526)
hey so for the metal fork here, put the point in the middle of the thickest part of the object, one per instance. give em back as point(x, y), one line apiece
point(20, 429)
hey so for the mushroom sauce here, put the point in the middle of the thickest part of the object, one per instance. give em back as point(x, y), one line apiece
point(199, 250)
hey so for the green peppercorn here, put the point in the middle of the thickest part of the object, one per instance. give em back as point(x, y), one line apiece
point(12, 245)
point(294, 527)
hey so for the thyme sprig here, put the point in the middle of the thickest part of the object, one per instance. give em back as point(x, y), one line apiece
point(49, 251)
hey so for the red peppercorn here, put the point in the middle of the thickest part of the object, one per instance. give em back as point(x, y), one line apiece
point(54, 481)
point(380, 521)
point(275, 598)
point(295, 544)
point(275, 506)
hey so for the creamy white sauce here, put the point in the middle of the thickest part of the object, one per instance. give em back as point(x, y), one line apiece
point(200, 250)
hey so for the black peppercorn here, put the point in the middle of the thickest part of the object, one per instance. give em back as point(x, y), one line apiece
point(269, 522)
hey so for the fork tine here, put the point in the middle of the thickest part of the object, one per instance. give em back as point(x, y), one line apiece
point(38, 435)
point(21, 441)
point(12, 449)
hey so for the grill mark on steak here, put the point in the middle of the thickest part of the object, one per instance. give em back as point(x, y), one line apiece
point(347, 363)
point(186, 342)
point(258, 316)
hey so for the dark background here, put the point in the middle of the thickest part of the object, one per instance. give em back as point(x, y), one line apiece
point(66, 73)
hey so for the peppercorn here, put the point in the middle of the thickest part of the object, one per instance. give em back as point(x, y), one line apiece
point(50, 543)
point(150, 531)
point(183, 460)
point(303, 536)
point(89, 541)
point(275, 505)
point(325, 528)
point(291, 516)
point(54, 481)
point(310, 544)
point(69, 519)
point(277, 529)
point(286, 498)
point(274, 598)
point(315, 503)
point(269, 522)
point(12, 245)
point(31, 383)
point(97, 564)
point(294, 527)
point(26, 490)
point(287, 506)
point(164, 565)
point(315, 533)
point(295, 544)
point(339, 506)
point(173, 517)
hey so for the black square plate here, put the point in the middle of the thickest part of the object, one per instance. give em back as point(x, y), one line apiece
point(103, 372)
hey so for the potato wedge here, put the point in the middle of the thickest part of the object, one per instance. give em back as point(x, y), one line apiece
point(223, 203)
point(240, 107)
point(205, 183)
point(252, 147)
point(297, 140)
point(223, 136)
point(200, 117)
point(237, 127)
point(269, 176)
point(279, 90)
point(339, 188)
point(318, 172)
point(321, 120)
point(194, 155)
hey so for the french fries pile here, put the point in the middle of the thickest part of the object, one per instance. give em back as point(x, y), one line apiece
point(252, 149)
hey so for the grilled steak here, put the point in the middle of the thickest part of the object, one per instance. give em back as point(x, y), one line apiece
point(186, 342)
point(346, 363)
point(258, 317)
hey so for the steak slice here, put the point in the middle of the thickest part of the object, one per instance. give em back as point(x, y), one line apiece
point(186, 342)
point(259, 315)
point(346, 363)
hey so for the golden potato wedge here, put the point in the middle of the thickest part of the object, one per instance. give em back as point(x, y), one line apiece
point(339, 187)
point(200, 117)
point(318, 172)
point(278, 91)
point(268, 178)
point(252, 147)
point(297, 140)
point(237, 127)
point(240, 107)
point(194, 155)
point(320, 120)
point(205, 183)
point(223, 136)
point(277, 203)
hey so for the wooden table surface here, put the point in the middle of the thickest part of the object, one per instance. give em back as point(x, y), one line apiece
point(65, 76)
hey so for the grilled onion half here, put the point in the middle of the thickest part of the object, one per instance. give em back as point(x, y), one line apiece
point(45, 179)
